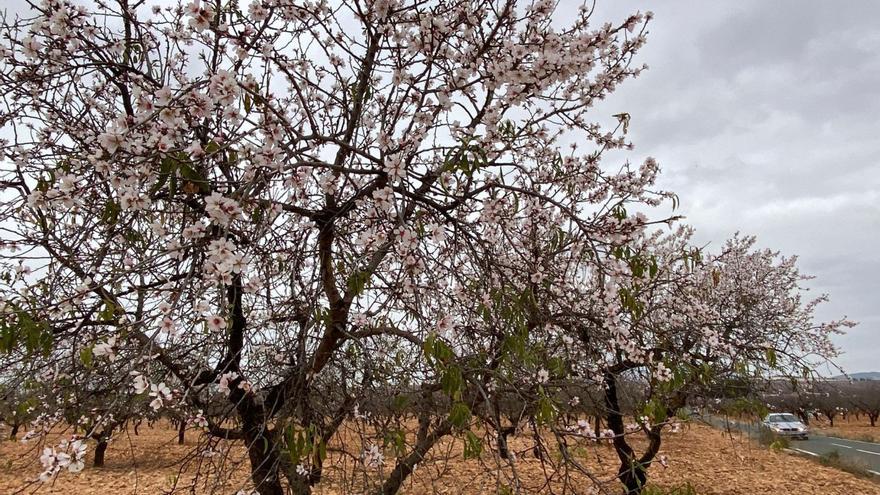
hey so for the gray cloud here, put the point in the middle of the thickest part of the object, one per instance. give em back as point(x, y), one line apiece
point(765, 119)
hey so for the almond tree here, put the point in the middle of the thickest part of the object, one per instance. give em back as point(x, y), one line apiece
point(691, 317)
point(864, 396)
point(828, 399)
point(254, 202)
point(643, 307)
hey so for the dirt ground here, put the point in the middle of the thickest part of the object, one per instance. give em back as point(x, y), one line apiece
point(712, 462)
point(852, 427)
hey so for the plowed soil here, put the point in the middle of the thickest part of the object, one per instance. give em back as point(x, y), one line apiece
point(712, 462)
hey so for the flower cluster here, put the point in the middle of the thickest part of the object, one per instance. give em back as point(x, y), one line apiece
point(160, 394)
point(372, 457)
point(68, 455)
point(222, 260)
point(222, 210)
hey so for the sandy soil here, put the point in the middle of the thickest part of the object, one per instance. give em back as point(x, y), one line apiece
point(714, 463)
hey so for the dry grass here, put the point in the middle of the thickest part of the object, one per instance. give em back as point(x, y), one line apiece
point(714, 463)
point(852, 428)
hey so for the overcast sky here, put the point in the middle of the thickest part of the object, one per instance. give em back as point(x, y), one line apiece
point(765, 118)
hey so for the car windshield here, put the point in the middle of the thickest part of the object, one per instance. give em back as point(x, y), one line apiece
point(781, 418)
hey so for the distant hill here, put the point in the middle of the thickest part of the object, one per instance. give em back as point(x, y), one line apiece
point(865, 375)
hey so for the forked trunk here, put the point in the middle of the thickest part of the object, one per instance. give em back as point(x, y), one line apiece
point(633, 471)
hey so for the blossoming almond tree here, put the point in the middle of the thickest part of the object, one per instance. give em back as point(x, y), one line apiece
point(247, 201)
point(699, 318)
point(645, 310)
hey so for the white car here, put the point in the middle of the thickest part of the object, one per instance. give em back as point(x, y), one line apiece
point(786, 425)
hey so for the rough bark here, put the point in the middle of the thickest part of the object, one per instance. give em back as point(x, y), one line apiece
point(264, 459)
point(100, 449)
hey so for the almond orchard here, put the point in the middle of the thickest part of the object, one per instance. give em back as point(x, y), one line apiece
point(274, 222)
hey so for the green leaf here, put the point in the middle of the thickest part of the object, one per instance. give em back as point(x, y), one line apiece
point(556, 366)
point(473, 447)
point(460, 415)
point(546, 412)
point(167, 167)
point(257, 215)
point(110, 311)
point(86, 356)
point(23, 329)
point(397, 440)
point(770, 353)
point(43, 185)
point(357, 282)
point(437, 352)
point(322, 450)
point(452, 381)
point(172, 185)
point(194, 176)
point(247, 103)
point(212, 147)
point(111, 212)
point(655, 411)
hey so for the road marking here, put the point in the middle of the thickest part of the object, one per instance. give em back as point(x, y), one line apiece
point(806, 452)
point(848, 439)
point(868, 452)
point(841, 445)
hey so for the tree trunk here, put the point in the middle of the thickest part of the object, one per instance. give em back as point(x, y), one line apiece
point(805, 418)
point(181, 432)
point(633, 478)
point(631, 473)
point(873, 419)
point(99, 453)
point(14, 432)
point(264, 462)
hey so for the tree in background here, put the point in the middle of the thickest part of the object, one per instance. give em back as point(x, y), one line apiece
point(646, 309)
point(864, 396)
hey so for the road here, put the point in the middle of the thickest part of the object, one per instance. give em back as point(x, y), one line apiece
point(865, 454)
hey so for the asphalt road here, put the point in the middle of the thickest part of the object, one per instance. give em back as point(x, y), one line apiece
point(866, 454)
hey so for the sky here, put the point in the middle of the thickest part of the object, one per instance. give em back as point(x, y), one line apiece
point(764, 117)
